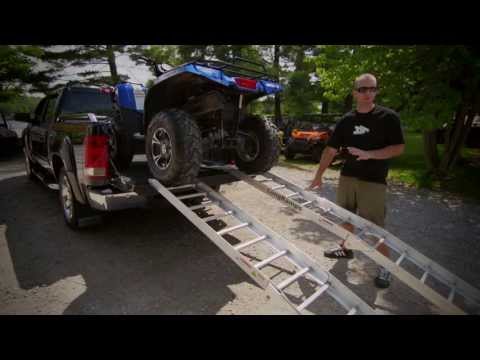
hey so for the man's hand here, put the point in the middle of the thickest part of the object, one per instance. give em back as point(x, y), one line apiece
point(316, 184)
point(361, 154)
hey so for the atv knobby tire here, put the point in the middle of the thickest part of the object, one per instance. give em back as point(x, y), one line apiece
point(122, 147)
point(180, 147)
point(268, 142)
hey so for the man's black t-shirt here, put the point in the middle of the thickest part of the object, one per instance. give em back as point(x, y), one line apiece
point(367, 131)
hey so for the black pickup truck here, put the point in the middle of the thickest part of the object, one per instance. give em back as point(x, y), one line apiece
point(69, 145)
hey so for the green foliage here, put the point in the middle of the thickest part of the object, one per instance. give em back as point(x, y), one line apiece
point(300, 95)
point(410, 169)
point(17, 70)
point(19, 104)
point(417, 80)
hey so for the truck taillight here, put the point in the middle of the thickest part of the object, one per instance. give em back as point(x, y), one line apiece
point(246, 83)
point(96, 157)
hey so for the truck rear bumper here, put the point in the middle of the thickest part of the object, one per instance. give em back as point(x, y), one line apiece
point(110, 202)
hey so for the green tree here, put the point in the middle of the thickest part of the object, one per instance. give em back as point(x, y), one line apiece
point(19, 75)
point(429, 85)
point(19, 104)
point(302, 93)
point(17, 70)
point(85, 55)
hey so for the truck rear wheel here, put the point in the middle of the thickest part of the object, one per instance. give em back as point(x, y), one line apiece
point(259, 148)
point(173, 147)
point(28, 167)
point(71, 208)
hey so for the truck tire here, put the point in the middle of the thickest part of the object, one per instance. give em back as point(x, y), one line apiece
point(72, 210)
point(28, 167)
point(289, 154)
point(122, 150)
point(173, 147)
point(261, 149)
point(317, 152)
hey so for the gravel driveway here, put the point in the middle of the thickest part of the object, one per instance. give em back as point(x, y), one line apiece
point(153, 261)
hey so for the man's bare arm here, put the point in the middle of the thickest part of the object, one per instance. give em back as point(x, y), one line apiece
point(326, 159)
point(380, 154)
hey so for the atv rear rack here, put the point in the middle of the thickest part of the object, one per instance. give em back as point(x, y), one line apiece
point(234, 69)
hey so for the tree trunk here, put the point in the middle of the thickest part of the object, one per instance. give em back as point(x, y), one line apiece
point(300, 59)
point(430, 150)
point(325, 107)
point(454, 142)
point(112, 64)
point(276, 64)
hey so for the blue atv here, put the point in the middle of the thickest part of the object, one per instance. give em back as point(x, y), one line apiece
point(128, 135)
point(195, 114)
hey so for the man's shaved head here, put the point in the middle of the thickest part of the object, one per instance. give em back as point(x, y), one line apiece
point(365, 80)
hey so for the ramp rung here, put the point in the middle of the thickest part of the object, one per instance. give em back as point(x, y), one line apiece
point(400, 259)
point(451, 295)
point(312, 298)
point(380, 242)
point(361, 232)
point(352, 311)
point(292, 195)
point(216, 217)
point(306, 203)
point(181, 187)
point(292, 278)
point(233, 228)
point(190, 196)
point(424, 277)
point(270, 259)
point(278, 187)
point(326, 211)
point(201, 206)
point(249, 243)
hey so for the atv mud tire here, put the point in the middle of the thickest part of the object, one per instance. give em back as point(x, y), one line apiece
point(173, 147)
point(262, 148)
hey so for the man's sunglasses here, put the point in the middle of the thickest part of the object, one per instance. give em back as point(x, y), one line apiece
point(364, 89)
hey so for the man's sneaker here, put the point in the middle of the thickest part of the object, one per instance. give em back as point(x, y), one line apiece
point(383, 278)
point(339, 253)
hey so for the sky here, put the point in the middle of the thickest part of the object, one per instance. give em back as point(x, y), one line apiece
point(137, 73)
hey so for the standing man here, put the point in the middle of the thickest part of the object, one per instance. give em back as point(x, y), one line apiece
point(372, 135)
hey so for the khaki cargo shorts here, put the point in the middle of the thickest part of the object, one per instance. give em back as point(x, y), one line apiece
point(367, 199)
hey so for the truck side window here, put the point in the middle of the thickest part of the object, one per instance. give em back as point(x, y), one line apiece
point(40, 110)
point(50, 112)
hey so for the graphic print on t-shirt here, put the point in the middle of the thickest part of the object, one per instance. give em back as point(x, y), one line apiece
point(360, 130)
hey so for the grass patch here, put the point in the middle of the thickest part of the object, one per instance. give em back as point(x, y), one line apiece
point(410, 169)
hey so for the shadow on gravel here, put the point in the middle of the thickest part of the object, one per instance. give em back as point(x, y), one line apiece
point(148, 261)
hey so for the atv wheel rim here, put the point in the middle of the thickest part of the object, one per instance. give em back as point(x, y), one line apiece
point(67, 198)
point(161, 149)
point(249, 148)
